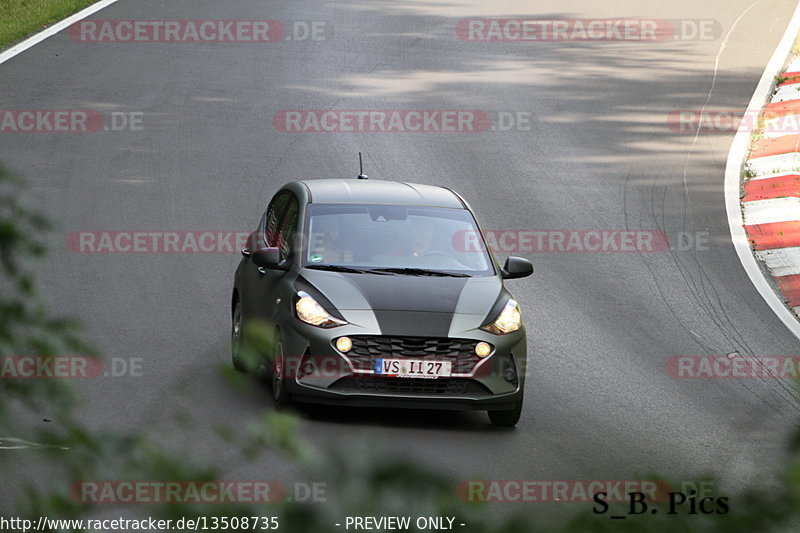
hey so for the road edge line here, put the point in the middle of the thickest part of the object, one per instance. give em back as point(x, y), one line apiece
point(52, 30)
point(733, 173)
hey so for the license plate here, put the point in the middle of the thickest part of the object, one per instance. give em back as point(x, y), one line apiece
point(413, 368)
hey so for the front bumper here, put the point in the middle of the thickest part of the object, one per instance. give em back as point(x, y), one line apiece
point(316, 372)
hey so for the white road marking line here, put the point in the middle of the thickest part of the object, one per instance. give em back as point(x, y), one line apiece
point(711, 91)
point(13, 443)
point(52, 30)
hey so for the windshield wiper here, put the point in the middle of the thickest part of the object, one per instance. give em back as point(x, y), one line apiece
point(420, 272)
point(342, 268)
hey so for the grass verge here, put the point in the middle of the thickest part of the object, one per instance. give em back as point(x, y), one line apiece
point(21, 18)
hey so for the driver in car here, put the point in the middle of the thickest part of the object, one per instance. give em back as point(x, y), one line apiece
point(424, 241)
point(328, 247)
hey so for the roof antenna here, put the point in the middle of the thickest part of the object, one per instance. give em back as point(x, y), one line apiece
point(361, 175)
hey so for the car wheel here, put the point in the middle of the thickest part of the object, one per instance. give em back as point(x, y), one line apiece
point(236, 338)
point(507, 418)
point(279, 393)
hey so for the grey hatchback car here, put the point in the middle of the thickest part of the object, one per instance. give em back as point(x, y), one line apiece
point(380, 293)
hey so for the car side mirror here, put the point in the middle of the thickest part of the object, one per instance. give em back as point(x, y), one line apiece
point(516, 267)
point(252, 243)
point(267, 257)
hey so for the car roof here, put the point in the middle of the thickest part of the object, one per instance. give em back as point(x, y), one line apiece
point(362, 191)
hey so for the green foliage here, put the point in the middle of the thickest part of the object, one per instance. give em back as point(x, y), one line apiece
point(20, 18)
point(26, 328)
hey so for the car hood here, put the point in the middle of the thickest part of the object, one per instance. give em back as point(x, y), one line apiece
point(404, 293)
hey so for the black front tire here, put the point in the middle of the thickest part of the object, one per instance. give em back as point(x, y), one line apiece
point(506, 419)
point(279, 393)
point(236, 338)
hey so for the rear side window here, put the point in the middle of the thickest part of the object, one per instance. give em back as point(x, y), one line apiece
point(275, 213)
point(288, 228)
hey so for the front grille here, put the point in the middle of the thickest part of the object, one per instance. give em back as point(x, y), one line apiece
point(384, 385)
point(367, 348)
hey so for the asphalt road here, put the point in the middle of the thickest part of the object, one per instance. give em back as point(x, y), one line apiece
point(597, 155)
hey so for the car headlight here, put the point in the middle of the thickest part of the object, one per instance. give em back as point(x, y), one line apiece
point(508, 321)
point(310, 312)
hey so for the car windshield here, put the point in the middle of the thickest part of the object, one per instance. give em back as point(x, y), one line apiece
point(404, 239)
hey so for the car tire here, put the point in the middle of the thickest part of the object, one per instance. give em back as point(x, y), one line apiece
point(236, 338)
point(279, 393)
point(508, 418)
